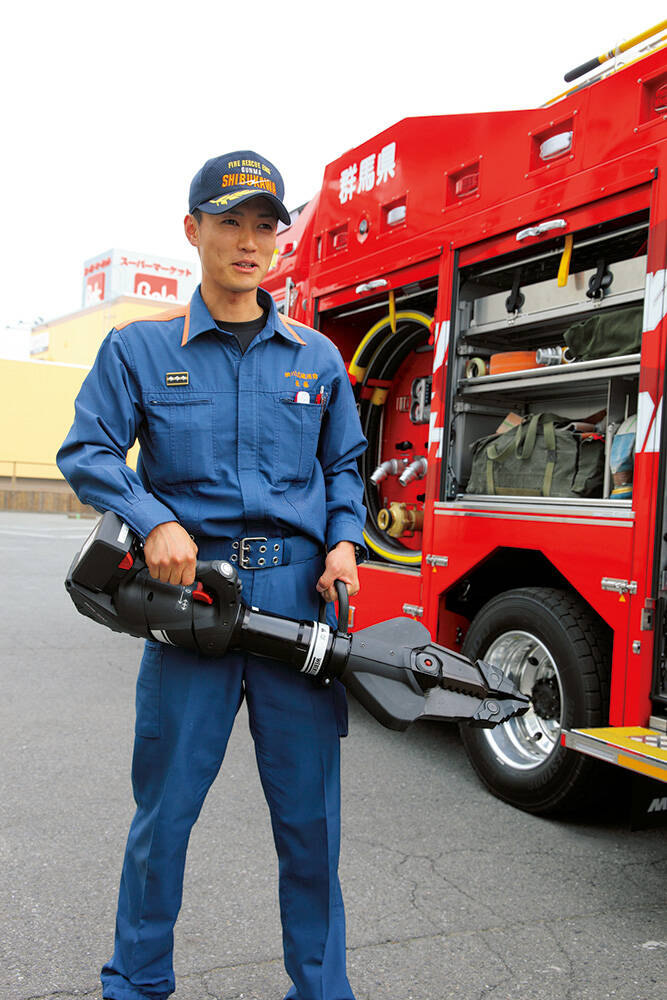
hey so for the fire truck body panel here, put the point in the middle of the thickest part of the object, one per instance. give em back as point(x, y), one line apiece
point(570, 541)
point(423, 235)
point(427, 157)
point(577, 554)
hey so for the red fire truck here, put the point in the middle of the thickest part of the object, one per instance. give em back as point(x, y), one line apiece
point(482, 276)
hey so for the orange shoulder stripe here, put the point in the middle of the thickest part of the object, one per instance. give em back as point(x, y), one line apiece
point(287, 322)
point(156, 317)
point(297, 322)
point(186, 327)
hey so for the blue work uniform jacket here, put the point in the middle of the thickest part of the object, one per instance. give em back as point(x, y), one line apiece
point(226, 448)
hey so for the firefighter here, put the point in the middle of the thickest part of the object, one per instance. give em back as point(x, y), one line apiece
point(249, 442)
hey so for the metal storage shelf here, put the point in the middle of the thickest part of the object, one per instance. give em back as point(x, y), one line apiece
point(549, 316)
point(552, 376)
point(549, 306)
point(483, 327)
point(479, 504)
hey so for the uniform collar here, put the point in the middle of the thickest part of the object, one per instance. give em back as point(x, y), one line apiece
point(199, 320)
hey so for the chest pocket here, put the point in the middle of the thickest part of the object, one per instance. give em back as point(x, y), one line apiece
point(297, 432)
point(180, 439)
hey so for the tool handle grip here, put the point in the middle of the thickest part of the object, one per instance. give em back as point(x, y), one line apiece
point(219, 578)
point(343, 606)
point(586, 67)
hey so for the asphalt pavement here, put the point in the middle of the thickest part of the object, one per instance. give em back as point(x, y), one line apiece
point(449, 892)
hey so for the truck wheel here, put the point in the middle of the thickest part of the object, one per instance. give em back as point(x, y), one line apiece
point(553, 648)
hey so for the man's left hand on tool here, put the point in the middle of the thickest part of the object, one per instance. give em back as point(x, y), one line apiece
point(170, 553)
point(341, 564)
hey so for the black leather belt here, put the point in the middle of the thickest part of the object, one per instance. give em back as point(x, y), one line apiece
point(260, 552)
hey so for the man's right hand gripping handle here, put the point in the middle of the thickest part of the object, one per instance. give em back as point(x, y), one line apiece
point(170, 554)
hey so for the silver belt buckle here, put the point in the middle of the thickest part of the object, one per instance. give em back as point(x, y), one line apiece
point(245, 545)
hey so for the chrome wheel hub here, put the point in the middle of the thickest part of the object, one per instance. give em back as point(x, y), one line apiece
point(525, 742)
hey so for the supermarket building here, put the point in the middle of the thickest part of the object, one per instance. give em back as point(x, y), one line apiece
point(37, 402)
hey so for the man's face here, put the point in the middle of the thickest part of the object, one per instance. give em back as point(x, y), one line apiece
point(235, 248)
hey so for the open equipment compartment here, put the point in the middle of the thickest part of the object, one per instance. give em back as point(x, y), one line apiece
point(525, 301)
point(387, 345)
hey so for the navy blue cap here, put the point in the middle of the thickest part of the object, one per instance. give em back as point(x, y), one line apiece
point(229, 180)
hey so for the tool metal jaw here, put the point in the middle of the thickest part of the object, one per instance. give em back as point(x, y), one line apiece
point(392, 668)
point(400, 676)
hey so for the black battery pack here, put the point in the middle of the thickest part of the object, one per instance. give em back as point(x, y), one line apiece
point(105, 556)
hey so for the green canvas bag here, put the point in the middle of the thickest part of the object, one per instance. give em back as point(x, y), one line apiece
point(606, 334)
point(538, 458)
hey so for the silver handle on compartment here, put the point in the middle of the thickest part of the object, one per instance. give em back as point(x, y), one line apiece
point(368, 286)
point(289, 285)
point(544, 227)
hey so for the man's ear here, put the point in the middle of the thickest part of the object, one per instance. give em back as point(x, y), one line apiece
point(191, 230)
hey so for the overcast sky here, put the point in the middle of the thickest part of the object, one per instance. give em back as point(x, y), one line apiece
point(110, 108)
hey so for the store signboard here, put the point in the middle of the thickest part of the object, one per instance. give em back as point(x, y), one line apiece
point(120, 272)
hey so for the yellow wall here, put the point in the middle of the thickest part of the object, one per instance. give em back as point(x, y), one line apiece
point(37, 399)
point(36, 412)
point(75, 339)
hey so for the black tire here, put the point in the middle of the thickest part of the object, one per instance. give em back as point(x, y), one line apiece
point(552, 643)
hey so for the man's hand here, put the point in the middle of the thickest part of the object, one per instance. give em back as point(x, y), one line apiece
point(170, 554)
point(340, 565)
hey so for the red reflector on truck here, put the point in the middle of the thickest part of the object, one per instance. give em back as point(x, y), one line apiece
point(466, 185)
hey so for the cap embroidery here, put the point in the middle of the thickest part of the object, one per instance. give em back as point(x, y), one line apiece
point(250, 180)
point(225, 181)
point(223, 199)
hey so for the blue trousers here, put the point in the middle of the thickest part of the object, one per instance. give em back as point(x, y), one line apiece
point(186, 705)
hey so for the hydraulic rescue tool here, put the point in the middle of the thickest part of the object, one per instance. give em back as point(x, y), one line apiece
point(392, 668)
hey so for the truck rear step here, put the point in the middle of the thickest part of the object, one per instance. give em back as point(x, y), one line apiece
point(643, 751)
